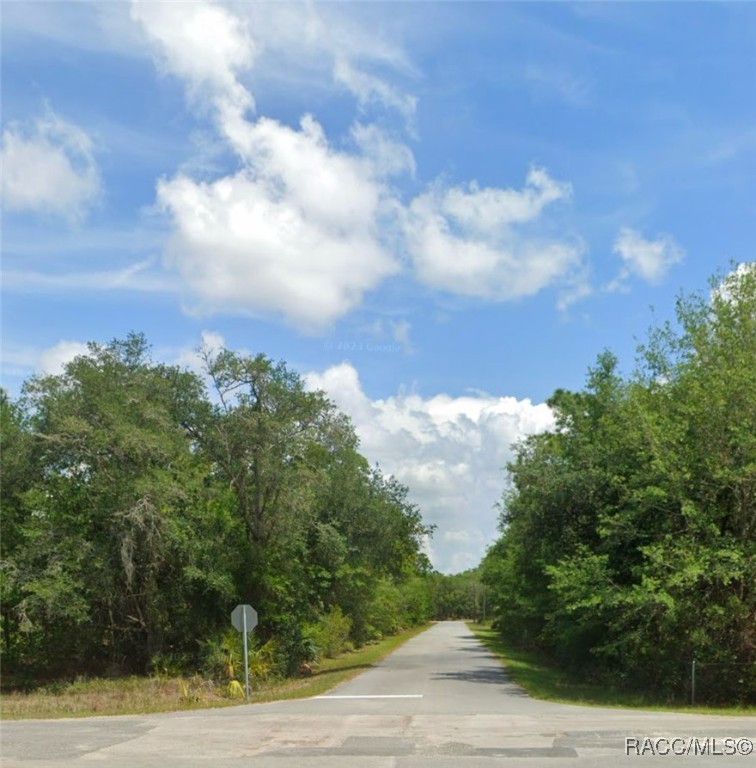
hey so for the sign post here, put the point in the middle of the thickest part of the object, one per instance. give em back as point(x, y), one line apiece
point(244, 619)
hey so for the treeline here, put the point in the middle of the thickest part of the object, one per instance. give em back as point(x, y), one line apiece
point(628, 544)
point(138, 508)
point(458, 596)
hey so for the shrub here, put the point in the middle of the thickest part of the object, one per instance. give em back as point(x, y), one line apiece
point(331, 633)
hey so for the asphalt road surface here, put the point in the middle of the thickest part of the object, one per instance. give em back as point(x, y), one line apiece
point(441, 700)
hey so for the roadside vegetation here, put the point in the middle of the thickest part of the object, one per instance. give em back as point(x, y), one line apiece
point(142, 502)
point(86, 697)
point(544, 679)
point(628, 533)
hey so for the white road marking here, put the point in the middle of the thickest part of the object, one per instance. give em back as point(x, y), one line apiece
point(374, 696)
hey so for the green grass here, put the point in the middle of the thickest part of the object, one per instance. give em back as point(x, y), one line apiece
point(139, 695)
point(543, 680)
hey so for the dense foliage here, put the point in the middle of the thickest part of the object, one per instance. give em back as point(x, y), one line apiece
point(628, 543)
point(139, 509)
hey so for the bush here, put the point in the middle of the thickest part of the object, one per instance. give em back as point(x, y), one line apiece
point(223, 656)
point(224, 660)
point(331, 633)
point(292, 647)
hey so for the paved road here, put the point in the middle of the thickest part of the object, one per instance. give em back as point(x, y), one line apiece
point(441, 700)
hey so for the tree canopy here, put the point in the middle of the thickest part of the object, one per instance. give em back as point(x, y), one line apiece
point(628, 534)
point(139, 508)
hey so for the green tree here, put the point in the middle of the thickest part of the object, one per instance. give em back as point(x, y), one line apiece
point(108, 540)
point(138, 512)
point(628, 544)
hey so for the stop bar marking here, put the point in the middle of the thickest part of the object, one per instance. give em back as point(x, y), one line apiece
point(374, 696)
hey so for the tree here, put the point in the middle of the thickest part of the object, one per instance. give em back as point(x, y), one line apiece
point(138, 512)
point(628, 544)
point(106, 542)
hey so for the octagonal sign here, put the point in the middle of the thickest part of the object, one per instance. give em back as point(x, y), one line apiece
point(244, 617)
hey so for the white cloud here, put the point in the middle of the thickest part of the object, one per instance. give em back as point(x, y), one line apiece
point(191, 357)
point(49, 167)
point(274, 239)
point(135, 277)
point(397, 331)
point(449, 451)
point(212, 341)
point(728, 288)
point(400, 332)
point(386, 156)
point(481, 242)
point(457, 536)
point(370, 88)
point(18, 362)
point(52, 360)
point(649, 260)
point(295, 230)
point(23, 361)
point(300, 40)
point(203, 43)
point(304, 229)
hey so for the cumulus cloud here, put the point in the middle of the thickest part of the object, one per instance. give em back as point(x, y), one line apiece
point(473, 241)
point(450, 452)
point(23, 361)
point(18, 362)
point(650, 260)
point(305, 228)
point(211, 342)
point(49, 167)
point(296, 230)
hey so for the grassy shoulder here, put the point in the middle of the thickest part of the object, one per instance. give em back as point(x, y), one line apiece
point(542, 680)
point(139, 695)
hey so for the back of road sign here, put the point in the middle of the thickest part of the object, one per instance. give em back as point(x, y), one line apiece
point(244, 615)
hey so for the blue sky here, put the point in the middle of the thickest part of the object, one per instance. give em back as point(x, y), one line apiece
point(437, 212)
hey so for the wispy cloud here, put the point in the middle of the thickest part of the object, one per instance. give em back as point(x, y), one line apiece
point(649, 260)
point(141, 276)
point(49, 167)
point(558, 82)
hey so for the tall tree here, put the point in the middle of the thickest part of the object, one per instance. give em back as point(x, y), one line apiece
point(105, 540)
point(628, 542)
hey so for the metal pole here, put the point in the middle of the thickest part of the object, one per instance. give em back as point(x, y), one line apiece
point(693, 682)
point(246, 656)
